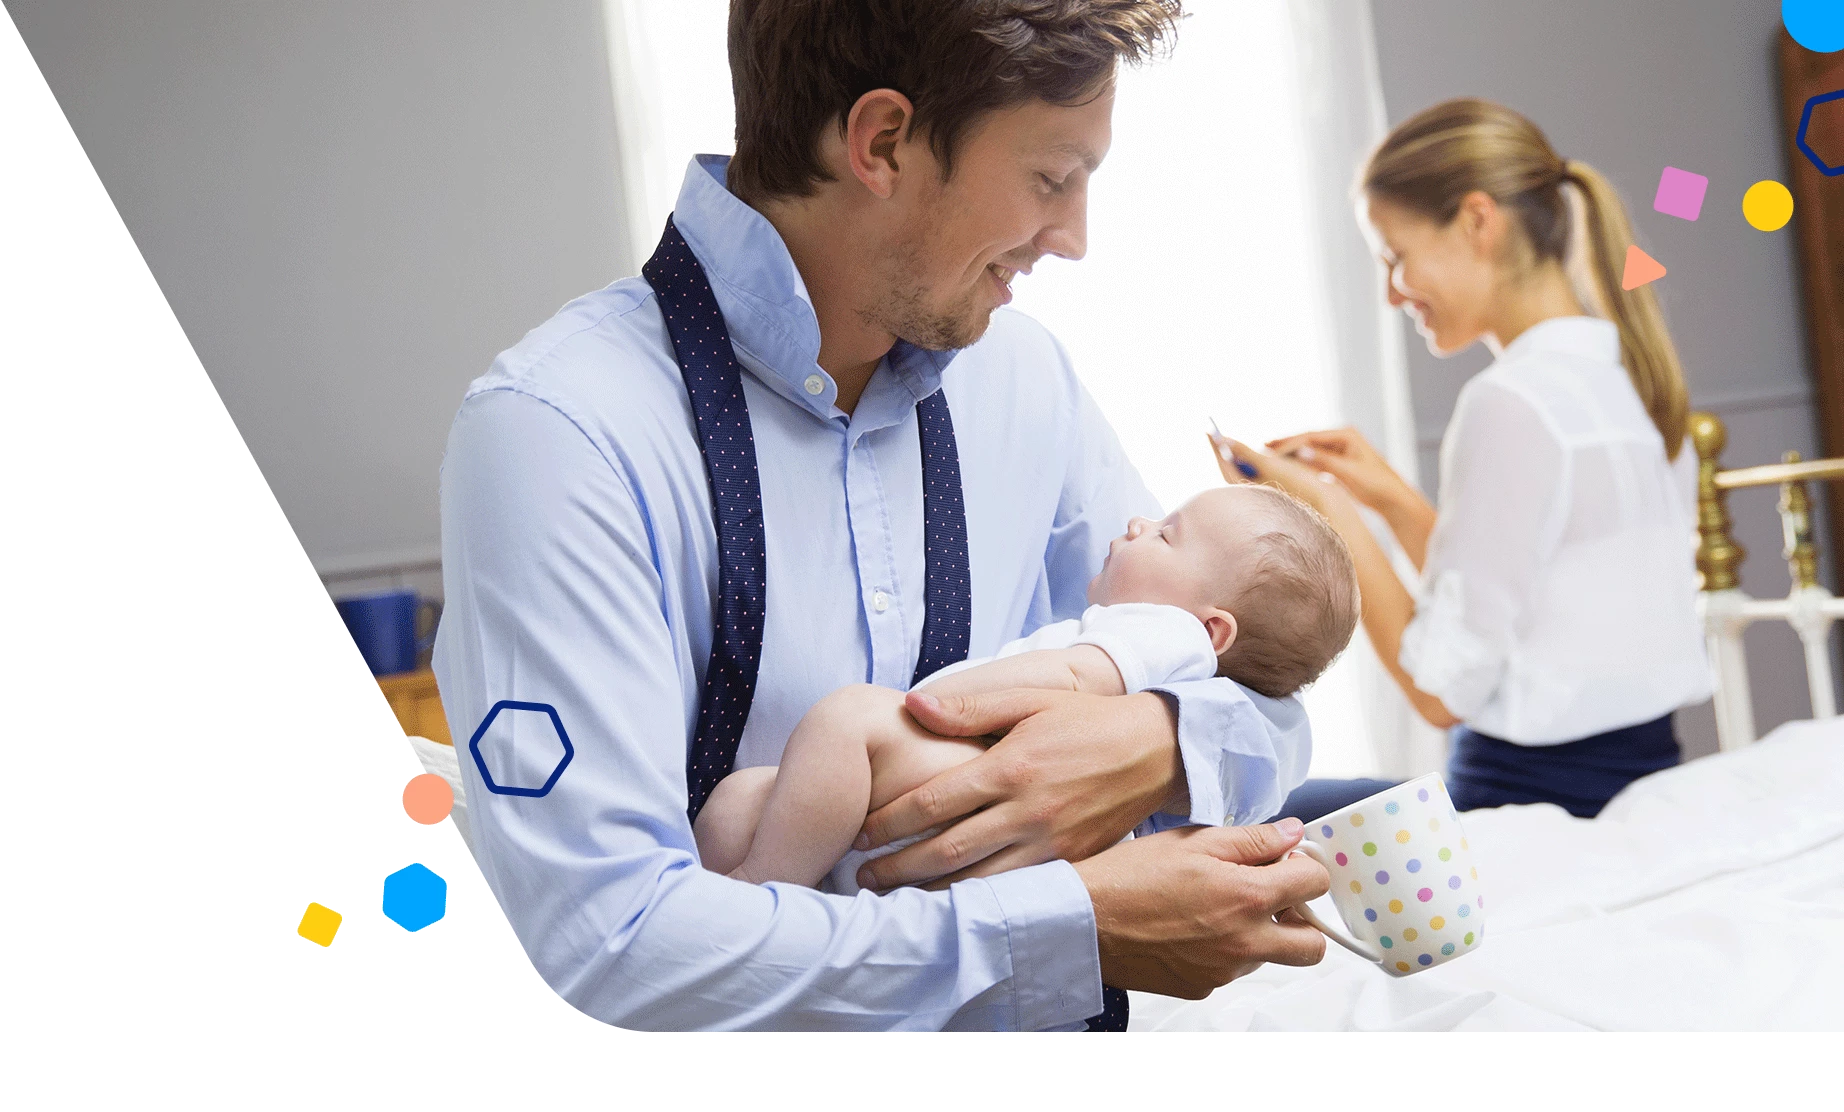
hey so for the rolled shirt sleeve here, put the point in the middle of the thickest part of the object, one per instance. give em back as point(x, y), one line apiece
point(554, 596)
point(1503, 473)
point(1242, 751)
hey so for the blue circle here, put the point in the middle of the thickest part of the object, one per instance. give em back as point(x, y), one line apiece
point(1414, 864)
point(1370, 913)
point(1382, 877)
point(1453, 882)
point(1386, 943)
point(1425, 959)
point(1326, 830)
point(1447, 949)
point(1465, 910)
point(1817, 25)
point(1390, 808)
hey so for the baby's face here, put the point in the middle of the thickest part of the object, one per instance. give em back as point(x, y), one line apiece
point(1188, 559)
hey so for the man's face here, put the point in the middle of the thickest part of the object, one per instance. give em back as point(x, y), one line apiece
point(1019, 192)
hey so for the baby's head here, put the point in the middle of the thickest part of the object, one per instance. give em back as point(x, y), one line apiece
point(1270, 579)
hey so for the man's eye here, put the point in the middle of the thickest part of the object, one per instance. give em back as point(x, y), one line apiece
point(1049, 185)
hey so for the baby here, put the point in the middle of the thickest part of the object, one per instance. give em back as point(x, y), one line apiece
point(1243, 581)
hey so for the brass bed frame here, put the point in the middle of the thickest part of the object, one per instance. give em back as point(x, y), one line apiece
point(1726, 610)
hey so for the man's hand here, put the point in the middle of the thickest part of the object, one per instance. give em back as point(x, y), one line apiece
point(1187, 911)
point(1071, 776)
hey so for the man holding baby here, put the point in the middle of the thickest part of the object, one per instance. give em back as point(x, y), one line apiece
point(805, 451)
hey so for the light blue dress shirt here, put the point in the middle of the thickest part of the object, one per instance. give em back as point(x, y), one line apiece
point(580, 565)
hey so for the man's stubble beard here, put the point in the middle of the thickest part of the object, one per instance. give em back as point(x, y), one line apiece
point(904, 312)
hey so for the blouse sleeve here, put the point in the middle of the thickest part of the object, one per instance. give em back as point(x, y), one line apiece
point(1504, 473)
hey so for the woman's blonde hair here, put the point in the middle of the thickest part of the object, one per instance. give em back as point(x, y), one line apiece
point(1435, 158)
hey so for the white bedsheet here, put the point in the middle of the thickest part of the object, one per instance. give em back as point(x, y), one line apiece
point(1706, 897)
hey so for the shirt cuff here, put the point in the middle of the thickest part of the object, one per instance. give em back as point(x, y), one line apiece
point(1050, 927)
point(1242, 752)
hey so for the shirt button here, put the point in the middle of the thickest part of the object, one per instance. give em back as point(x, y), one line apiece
point(816, 385)
point(880, 602)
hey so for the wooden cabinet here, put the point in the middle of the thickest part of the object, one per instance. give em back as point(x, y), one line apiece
point(417, 704)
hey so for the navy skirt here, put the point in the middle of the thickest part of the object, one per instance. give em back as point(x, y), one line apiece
point(1483, 771)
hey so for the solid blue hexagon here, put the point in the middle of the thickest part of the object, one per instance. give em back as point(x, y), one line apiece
point(1805, 121)
point(509, 706)
point(414, 897)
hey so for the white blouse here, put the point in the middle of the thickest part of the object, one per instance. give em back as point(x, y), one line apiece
point(1558, 598)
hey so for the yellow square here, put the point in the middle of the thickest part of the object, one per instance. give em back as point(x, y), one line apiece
point(319, 924)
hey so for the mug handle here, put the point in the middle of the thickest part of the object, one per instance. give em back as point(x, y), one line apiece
point(1366, 950)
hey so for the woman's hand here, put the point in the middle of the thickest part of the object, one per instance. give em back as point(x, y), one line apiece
point(1345, 454)
point(1292, 476)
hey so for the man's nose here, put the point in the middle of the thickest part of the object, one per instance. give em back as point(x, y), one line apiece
point(1136, 526)
point(1067, 236)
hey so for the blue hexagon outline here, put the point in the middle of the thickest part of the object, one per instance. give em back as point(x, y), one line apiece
point(473, 746)
point(1805, 121)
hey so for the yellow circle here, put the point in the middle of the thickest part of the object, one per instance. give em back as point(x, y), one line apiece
point(1402, 967)
point(1357, 820)
point(1475, 874)
point(1434, 824)
point(1402, 836)
point(1395, 907)
point(1767, 206)
point(1436, 923)
point(1408, 935)
point(1356, 887)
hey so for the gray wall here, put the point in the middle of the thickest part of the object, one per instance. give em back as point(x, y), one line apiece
point(352, 206)
point(1631, 87)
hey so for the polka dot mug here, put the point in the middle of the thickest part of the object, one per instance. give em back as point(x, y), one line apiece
point(1403, 878)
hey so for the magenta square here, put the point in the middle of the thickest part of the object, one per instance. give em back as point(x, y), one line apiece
point(1680, 193)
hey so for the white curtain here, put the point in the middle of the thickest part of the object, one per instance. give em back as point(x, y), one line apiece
point(1342, 118)
point(1226, 276)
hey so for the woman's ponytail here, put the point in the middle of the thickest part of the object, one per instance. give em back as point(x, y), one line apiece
point(1432, 160)
point(1645, 346)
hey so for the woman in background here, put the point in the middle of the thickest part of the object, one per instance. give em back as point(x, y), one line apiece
point(1555, 627)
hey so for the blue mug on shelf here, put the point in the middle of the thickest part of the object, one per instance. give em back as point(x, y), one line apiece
point(384, 625)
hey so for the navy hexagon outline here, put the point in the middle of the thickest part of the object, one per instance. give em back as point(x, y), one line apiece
point(1805, 121)
point(473, 746)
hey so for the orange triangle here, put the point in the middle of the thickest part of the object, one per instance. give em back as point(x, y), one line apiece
point(1640, 269)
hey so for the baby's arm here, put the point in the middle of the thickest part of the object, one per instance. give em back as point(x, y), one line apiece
point(1085, 668)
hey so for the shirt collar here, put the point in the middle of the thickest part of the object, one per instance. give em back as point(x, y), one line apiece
point(763, 298)
point(1587, 337)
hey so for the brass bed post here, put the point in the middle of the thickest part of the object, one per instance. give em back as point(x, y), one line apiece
point(1718, 556)
point(1720, 604)
point(1726, 610)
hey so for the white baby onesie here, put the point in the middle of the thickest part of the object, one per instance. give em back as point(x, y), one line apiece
point(1152, 645)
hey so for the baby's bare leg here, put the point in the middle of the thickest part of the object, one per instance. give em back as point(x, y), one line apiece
point(855, 750)
point(727, 823)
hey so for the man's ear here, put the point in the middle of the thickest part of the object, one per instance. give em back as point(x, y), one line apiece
point(1221, 626)
point(874, 130)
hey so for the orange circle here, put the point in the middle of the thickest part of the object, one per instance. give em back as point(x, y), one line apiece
point(428, 799)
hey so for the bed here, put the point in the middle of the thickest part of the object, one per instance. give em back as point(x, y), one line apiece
point(1706, 897)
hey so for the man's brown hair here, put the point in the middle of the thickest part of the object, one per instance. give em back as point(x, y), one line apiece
point(1296, 601)
point(798, 66)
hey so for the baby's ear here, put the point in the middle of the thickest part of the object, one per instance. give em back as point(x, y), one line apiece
point(1221, 626)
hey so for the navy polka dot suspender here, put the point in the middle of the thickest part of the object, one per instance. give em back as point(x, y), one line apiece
point(714, 381)
point(701, 343)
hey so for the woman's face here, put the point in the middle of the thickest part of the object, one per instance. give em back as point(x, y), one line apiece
point(1441, 275)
